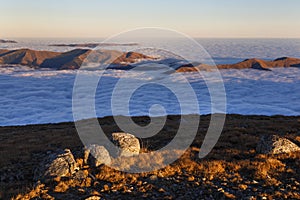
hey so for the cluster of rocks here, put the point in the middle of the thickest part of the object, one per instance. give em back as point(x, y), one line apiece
point(62, 163)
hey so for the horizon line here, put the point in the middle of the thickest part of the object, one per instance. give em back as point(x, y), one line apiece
point(102, 37)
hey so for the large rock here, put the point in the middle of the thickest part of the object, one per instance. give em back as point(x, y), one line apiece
point(128, 144)
point(58, 164)
point(96, 155)
point(273, 144)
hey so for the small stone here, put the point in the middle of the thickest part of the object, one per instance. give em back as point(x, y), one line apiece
point(191, 178)
point(153, 177)
point(129, 145)
point(229, 195)
point(251, 198)
point(81, 190)
point(139, 183)
point(96, 193)
point(106, 187)
point(243, 186)
point(161, 190)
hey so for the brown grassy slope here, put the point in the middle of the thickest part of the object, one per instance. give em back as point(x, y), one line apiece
point(232, 169)
point(286, 62)
point(26, 57)
point(249, 63)
point(71, 59)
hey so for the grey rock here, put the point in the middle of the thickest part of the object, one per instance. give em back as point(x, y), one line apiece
point(96, 155)
point(128, 144)
point(273, 144)
point(58, 164)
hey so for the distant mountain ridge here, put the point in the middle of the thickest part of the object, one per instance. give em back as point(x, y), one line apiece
point(67, 60)
point(122, 60)
point(253, 63)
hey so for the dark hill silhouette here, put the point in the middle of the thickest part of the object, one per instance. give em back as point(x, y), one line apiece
point(7, 41)
point(93, 45)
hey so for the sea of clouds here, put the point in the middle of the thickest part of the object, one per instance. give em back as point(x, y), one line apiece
point(35, 97)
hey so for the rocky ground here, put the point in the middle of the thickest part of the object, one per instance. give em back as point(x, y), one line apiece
point(235, 169)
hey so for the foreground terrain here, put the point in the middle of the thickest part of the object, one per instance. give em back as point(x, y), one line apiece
point(233, 170)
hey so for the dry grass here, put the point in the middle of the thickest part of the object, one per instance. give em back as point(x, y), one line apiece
point(268, 171)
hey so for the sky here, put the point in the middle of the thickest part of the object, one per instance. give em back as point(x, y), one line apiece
point(196, 18)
